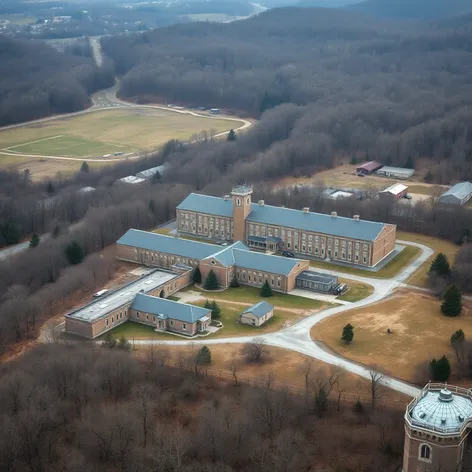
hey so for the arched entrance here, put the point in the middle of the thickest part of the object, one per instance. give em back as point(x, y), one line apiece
point(162, 294)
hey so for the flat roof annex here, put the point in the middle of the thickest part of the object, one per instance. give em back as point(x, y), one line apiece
point(168, 244)
point(267, 214)
point(312, 276)
point(170, 309)
point(119, 297)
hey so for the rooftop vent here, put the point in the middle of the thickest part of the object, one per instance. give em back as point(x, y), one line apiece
point(422, 415)
point(261, 203)
point(445, 395)
point(443, 420)
point(356, 217)
point(306, 210)
point(226, 197)
point(334, 214)
point(460, 418)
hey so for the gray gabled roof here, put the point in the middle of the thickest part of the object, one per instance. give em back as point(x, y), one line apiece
point(169, 244)
point(460, 190)
point(259, 309)
point(173, 310)
point(265, 262)
point(317, 222)
point(206, 204)
point(226, 255)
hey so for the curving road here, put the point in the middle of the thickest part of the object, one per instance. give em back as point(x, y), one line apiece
point(297, 337)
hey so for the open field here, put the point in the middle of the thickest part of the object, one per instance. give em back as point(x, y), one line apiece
point(19, 20)
point(357, 291)
point(212, 17)
point(285, 366)
point(420, 277)
point(92, 135)
point(131, 330)
point(419, 333)
point(388, 271)
point(342, 176)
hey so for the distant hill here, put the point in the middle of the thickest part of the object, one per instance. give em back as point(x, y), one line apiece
point(412, 9)
point(325, 3)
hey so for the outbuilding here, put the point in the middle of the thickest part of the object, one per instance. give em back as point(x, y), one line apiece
point(257, 314)
point(459, 194)
point(316, 282)
point(395, 172)
point(368, 168)
point(393, 193)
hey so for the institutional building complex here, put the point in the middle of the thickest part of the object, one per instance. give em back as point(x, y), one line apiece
point(269, 228)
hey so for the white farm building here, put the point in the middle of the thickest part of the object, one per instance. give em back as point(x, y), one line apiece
point(395, 172)
point(459, 194)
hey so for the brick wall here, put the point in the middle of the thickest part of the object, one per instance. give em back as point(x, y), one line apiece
point(223, 274)
point(384, 244)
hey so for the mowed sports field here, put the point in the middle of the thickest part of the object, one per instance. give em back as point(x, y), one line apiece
point(93, 135)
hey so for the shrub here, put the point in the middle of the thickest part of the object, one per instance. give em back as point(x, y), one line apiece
point(204, 356)
point(266, 290)
point(348, 333)
point(440, 369)
point(452, 301)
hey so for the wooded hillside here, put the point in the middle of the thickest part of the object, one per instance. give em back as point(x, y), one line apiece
point(37, 81)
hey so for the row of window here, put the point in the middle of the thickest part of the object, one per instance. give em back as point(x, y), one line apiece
point(171, 322)
point(119, 316)
point(258, 277)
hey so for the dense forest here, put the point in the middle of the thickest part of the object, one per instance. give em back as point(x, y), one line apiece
point(71, 408)
point(37, 81)
point(384, 90)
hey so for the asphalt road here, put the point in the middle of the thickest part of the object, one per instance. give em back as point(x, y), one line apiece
point(297, 337)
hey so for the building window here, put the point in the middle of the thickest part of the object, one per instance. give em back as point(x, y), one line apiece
point(184, 326)
point(365, 259)
point(425, 453)
point(137, 314)
point(238, 202)
point(171, 322)
point(288, 244)
point(107, 322)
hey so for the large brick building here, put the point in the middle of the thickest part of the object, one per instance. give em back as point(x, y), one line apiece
point(233, 261)
point(330, 237)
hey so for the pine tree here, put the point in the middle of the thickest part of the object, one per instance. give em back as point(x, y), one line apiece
point(84, 167)
point(353, 160)
point(74, 253)
point(231, 135)
point(348, 333)
point(409, 164)
point(211, 282)
point(234, 282)
point(50, 188)
point(204, 356)
point(34, 241)
point(440, 369)
point(452, 301)
point(440, 265)
point(215, 310)
point(266, 290)
point(123, 344)
point(429, 176)
point(197, 276)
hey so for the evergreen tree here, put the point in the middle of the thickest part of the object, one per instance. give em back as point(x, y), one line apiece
point(50, 188)
point(452, 301)
point(9, 233)
point(74, 253)
point(353, 160)
point(440, 369)
point(110, 341)
point(266, 290)
point(84, 167)
point(34, 241)
point(429, 176)
point(56, 231)
point(348, 333)
point(231, 135)
point(214, 307)
point(204, 356)
point(123, 344)
point(409, 164)
point(197, 276)
point(458, 337)
point(234, 282)
point(440, 265)
point(211, 282)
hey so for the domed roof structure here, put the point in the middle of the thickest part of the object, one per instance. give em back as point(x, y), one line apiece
point(441, 410)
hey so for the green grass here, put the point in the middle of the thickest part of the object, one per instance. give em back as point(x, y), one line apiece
point(230, 313)
point(251, 295)
point(357, 291)
point(388, 271)
point(130, 329)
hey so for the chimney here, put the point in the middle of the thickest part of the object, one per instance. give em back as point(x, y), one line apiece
point(356, 217)
point(334, 214)
point(226, 197)
point(306, 210)
point(261, 203)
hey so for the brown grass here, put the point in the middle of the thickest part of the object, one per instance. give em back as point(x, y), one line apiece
point(419, 333)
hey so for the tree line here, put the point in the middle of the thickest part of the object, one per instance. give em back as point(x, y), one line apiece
point(37, 81)
point(71, 407)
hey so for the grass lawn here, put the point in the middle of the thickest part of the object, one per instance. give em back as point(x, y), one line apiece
point(130, 329)
point(105, 132)
point(420, 277)
point(251, 295)
point(388, 271)
point(357, 291)
point(230, 313)
point(419, 333)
